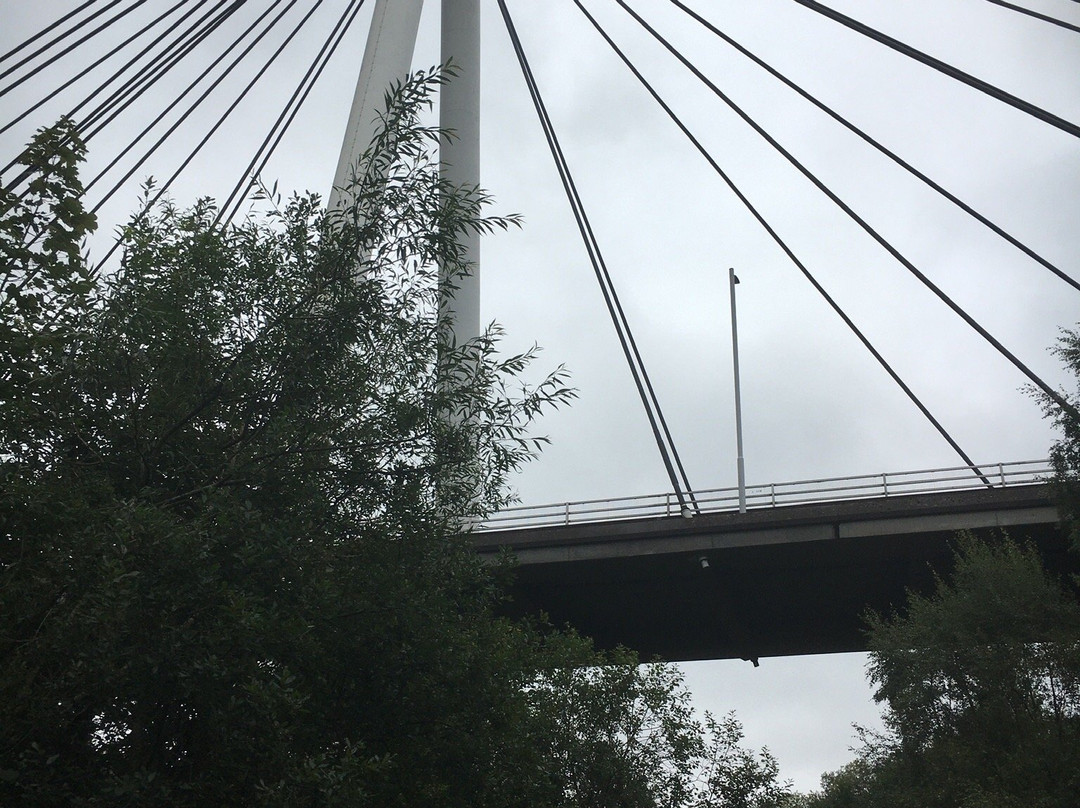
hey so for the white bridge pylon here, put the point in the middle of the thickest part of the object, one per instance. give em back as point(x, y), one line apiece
point(387, 59)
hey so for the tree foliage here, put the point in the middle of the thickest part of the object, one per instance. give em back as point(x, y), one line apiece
point(625, 735)
point(1065, 453)
point(45, 285)
point(233, 477)
point(736, 777)
point(981, 679)
point(981, 683)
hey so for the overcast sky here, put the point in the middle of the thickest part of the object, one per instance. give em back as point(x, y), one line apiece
point(815, 403)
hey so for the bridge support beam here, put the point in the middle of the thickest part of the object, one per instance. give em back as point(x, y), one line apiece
point(387, 59)
point(777, 582)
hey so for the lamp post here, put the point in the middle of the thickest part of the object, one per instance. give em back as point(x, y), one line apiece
point(732, 280)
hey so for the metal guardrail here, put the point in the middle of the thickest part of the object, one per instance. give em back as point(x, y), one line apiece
point(774, 495)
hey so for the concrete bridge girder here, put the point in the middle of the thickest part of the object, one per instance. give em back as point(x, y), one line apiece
point(793, 580)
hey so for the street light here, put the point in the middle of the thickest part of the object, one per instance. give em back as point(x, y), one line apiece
point(732, 280)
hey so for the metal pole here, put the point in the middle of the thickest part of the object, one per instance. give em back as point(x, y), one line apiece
point(732, 280)
point(459, 112)
point(459, 166)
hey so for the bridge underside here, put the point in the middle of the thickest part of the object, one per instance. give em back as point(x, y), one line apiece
point(774, 582)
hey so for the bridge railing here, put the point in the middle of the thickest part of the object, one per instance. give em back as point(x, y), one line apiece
point(774, 495)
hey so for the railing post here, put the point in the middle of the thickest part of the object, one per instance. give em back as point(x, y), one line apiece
point(1001, 473)
point(885, 484)
point(566, 513)
point(772, 493)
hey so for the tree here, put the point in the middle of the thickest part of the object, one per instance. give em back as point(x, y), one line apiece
point(1065, 453)
point(229, 482)
point(735, 777)
point(981, 682)
point(233, 477)
point(45, 284)
point(625, 735)
point(981, 679)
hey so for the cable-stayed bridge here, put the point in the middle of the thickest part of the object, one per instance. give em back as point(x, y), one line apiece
point(792, 574)
point(163, 87)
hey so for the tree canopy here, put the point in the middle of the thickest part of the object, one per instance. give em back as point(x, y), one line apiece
point(981, 685)
point(980, 679)
point(234, 475)
point(1065, 453)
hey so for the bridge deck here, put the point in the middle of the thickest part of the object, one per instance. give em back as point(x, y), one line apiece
point(775, 581)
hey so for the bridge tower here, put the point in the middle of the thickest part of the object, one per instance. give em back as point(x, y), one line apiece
point(387, 58)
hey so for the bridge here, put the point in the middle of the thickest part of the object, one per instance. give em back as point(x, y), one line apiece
point(793, 574)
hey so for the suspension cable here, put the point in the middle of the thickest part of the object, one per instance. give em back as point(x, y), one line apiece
point(207, 92)
point(1050, 392)
point(646, 392)
point(943, 67)
point(217, 125)
point(35, 37)
point(1036, 15)
point(66, 50)
point(146, 77)
point(143, 80)
point(881, 148)
point(291, 108)
point(191, 86)
point(210, 28)
point(93, 66)
point(785, 248)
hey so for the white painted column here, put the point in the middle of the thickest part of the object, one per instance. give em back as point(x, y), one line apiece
point(459, 111)
point(387, 59)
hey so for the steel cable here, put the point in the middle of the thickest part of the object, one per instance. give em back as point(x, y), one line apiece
point(190, 88)
point(881, 148)
point(658, 424)
point(787, 250)
point(943, 67)
point(208, 30)
point(149, 75)
point(143, 80)
point(1050, 392)
point(82, 74)
point(35, 37)
point(295, 102)
point(217, 125)
point(66, 50)
point(1036, 15)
